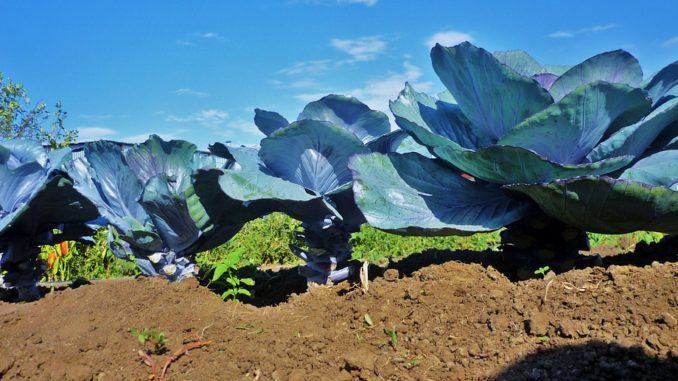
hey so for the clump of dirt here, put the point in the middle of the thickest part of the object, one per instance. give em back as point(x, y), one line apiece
point(443, 322)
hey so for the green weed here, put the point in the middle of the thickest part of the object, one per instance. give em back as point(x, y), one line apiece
point(155, 338)
point(225, 276)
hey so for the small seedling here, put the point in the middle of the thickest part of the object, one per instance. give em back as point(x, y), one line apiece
point(411, 363)
point(159, 339)
point(155, 338)
point(393, 335)
point(543, 339)
point(542, 271)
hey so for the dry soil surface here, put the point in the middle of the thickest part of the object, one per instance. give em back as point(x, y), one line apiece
point(442, 322)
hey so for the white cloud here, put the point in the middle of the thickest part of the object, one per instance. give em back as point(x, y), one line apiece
point(316, 67)
point(182, 42)
point(100, 117)
point(207, 118)
point(309, 97)
point(362, 48)
point(140, 138)
point(187, 91)
point(448, 38)
point(378, 91)
point(572, 33)
point(298, 84)
point(368, 3)
point(673, 41)
point(242, 125)
point(561, 34)
point(209, 35)
point(89, 133)
point(193, 38)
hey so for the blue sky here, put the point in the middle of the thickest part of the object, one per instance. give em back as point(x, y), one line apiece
point(196, 69)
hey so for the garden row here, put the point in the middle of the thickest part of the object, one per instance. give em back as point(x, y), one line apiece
point(549, 152)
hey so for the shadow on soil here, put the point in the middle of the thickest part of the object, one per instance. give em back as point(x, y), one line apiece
point(276, 286)
point(595, 360)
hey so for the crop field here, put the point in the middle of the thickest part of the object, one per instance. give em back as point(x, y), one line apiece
point(520, 224)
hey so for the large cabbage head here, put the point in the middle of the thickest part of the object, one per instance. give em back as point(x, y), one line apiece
point(36, 197)
point(509, 120)
point(146, 195)
point(302, 169)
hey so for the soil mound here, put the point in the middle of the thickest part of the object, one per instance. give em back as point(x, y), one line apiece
point(442, 322)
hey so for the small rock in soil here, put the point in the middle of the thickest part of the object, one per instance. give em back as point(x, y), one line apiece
point(78, 373)
point(360, 359)
point(653, 342)
point(566, 329)
point(6, 363)
point(538, 324)
point(668, 319)
point(297, 375)
point(391, 275)
point(474, 350)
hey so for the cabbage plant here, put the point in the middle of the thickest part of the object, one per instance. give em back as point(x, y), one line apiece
point(145, 194)
point(509, 123)
point(302, 169)
point(38, 206)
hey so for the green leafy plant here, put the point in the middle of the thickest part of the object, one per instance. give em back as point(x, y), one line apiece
point(225, 274)
point(84, 261)
point(20, 120)
point(594, 146)
point(542, 271)
point(146, 336)
point(159, 340)
point(393, 335)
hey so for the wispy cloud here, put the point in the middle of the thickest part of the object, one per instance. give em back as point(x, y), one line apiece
point(378, 91)
point(673, 41)
point(243, 126)
point(362, 48)
point(89, 133)
point(315, 67)
point(194, 38)
point(209, 35)
point(182, 42)
point(208, 118)
point(572, 33)
point(191, 92)
point(448, 38)
point(368, 3)
point(140, 138)
point(297, 84)
point(309, 97)
point(100, 117)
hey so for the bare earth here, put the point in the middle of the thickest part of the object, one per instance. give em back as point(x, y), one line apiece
point(451, 321)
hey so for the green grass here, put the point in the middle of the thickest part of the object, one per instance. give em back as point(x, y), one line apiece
point(266, 241)
point(624, 242)
point(373, 245)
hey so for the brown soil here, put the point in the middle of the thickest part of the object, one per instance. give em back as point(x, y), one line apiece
point(451, 321)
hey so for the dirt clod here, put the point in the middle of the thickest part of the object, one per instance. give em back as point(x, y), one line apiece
point(359, 360)
point(538, 324)
point(391, 275)
point(668, 319)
